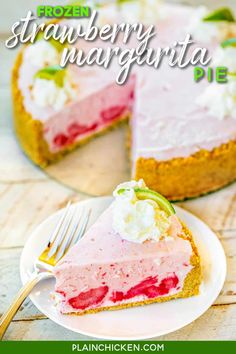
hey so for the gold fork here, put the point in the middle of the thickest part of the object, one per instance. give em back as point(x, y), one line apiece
point(70, 228)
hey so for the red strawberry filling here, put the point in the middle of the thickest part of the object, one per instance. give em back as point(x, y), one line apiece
point(167, 284)
point(117, 296)
point(60, 140)
point(76, 129)
point(61, 292)
point(148, 288)
point(112, 113)
point(73, 131)
point(139, 289)
point(88, 298)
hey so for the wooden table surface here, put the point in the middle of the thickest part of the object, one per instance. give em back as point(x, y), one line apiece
point(27, 196)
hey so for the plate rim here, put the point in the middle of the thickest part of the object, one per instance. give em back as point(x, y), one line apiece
point(23, 276)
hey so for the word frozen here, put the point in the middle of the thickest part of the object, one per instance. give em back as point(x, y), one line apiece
point(63, 11)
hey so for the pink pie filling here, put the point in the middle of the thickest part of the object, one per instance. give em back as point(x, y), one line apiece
point(97, 106)
point(147, 288)
point(105, 270)
point(94, 114)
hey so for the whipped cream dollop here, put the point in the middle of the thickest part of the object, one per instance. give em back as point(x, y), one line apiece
point(225, 57)
point(41, 54)
point(220, 99)
point(138, 220)
point(204, 31)
point(46, 93)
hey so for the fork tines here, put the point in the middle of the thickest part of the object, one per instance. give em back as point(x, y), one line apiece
point(70, 228)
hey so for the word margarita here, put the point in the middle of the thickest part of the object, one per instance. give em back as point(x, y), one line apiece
point(26, 31)
point(128, 57)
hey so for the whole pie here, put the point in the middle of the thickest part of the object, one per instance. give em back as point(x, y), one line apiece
point(182, 133)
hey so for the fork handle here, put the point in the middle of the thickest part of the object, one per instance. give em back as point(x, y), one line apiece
point(20, 297)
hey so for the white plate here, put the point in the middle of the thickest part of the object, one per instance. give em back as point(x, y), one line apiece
point(140, 322)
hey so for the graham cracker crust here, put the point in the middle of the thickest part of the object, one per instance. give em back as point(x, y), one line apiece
point(198, 174)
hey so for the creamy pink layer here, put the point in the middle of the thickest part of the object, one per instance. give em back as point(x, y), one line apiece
point(105, 270)
point(168, 122)
point(77, 120)
point(93, 114)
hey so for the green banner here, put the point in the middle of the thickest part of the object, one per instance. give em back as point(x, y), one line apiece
point(170, 347)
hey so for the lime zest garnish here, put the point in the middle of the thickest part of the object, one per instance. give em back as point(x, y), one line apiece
point(119, 2)
point(77, 3)
point(95, 4)
point(54, 72)
point(222, 14)
point(231, 42)
point(57, 45)
point(233, 75)
point(145, 193)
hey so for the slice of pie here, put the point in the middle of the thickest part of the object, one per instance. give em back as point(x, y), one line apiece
point(137, 253)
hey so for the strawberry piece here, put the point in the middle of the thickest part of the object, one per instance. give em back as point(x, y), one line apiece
point(112, 113)
point(140, 288)
point(88, 298)
point(92, 127)
point(61, 292)
point(60, 140)
point(163, 288)
point(76, 129)
point(117, 296)
point(131, 96)
point(151, 292)
point(148, 288)
point(167, 284)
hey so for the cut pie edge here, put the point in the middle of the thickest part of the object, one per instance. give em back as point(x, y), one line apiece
point(29, 131)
